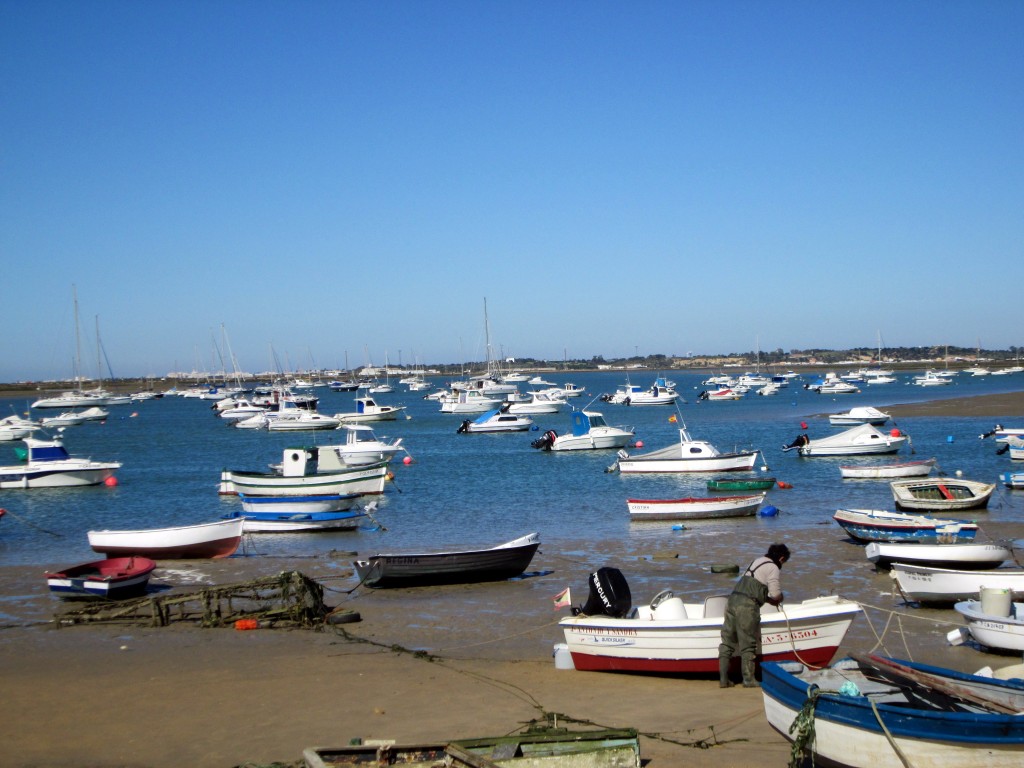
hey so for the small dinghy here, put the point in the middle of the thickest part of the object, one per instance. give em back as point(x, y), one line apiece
point(113, 579)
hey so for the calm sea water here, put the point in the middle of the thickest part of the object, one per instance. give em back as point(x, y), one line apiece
point(469, 490)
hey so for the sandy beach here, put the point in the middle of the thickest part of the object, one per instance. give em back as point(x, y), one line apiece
point(135, 696)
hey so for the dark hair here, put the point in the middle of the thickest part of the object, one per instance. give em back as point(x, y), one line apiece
point(776, 552)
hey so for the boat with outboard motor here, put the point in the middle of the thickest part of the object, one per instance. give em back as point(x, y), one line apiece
point(499, 420)
point(861, 440)
point(669, 636)
point(48, 465)
point(590, 431)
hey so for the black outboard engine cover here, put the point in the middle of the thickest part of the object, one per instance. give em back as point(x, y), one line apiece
point(609, 594)
point(545, 441)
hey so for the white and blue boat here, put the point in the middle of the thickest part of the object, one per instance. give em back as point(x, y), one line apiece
point(49, 465)
point(1012, 479)
point(875, 712)
point(882, 525)
point(298, 521)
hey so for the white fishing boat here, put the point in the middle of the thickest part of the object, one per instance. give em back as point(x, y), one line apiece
point(498, 420)
point(999, 624)
point(308, 471)
point(670, 636)
point(860, 415)
point(722, 394)
point(856, 441)
point(958, 556)
point(688, 455)
point(708, 508)
point(362, 446)
point(65, 419)
point(921, 468)
point(589, 432)
point(48, 465)
point(927, 584)
point(659, 393)
point(941, 494)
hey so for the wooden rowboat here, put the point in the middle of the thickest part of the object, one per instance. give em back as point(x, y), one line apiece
point(694, 508)
point(920, 468)
point(112, 579)
point(741, 484)
point(941, 493)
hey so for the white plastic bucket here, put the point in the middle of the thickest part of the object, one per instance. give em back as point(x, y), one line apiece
point(996, 601)
point(563, 659)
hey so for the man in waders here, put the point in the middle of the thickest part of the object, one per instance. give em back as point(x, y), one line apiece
point(741, 630)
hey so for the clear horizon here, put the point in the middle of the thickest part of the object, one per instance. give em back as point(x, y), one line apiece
point(301, 182)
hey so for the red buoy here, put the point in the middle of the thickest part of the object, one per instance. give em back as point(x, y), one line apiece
point(895, 433)
point(110, 482)
point(803, 425)
point(407, 460)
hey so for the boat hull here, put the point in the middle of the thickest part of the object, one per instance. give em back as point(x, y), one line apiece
point(881, 471)
point(739, 484)
point(206, 540)
point(812, 630)
point(847, 731)
point(360, 480)
point(299, 522)
point(112, 579)
point(297, 504)
point(1003, 632)
point(421, 569)
point(694, 508)
point(941, 494)
point(881, 525)
point(963, 556)
point(723, 462)
point(56, 476)
point(925, 584)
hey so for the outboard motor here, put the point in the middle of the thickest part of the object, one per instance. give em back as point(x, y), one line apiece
point(545, 441)
point(463, 427)
point(609, 595)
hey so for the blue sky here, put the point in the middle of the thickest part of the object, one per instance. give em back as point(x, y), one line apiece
point(657, 177)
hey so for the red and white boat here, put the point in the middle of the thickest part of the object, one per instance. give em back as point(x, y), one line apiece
point(205, 540)
point(669, 636)
point(113, 578)
point(694, 508)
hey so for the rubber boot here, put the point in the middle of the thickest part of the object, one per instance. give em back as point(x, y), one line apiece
point(749, 681)
point(723, 673)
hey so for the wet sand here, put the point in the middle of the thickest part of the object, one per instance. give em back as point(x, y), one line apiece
point(120, 695)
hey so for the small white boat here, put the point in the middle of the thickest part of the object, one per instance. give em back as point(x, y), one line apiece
point(659, 393)
point(302, 420)
point(860, 415)
point(932, 379)
point(669, 636)
point(688, 455)
point(722, 394)
point(205, 540)
point(966, 556)
point(15, 427)
point(368, 410)
point(298, 504)
point(855, 441)
point(589, 432)
point(927, 584)
point(942, 494)
point(73, 399)
point(362, 446)
point(65, 419)
point(536, 403)
point(921, 468)
point(499, 420)
point(1012, 479)
point(49, 465)
point(999, 627)
point(469, 401)
point(709, 508)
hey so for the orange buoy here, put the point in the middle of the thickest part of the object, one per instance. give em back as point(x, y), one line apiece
point(247, 624)
point(110, 482)
point(783, 484)
point(894, 432)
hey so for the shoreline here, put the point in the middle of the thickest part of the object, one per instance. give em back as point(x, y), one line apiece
point(427, 664)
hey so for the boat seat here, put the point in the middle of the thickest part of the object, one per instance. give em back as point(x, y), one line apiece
point(714, 606)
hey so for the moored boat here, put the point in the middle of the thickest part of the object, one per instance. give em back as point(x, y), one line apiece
point(958, 555)
point(308, 471)
point(942, 494)
point(920, 468)
point(499, 420)
point(694, 508)
point(299, 520)
point(864, 414)
point(1001, 628)
point(452, 567)
point(856, 441)
point(49, 465)
point(204, 540)
point(882, 525)
point(925, 584)
point(931, 718)
point(590, 431)
point(741, 484)
point(688, 455)
point(113, 578)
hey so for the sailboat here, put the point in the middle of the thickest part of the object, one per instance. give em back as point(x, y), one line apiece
point(385, 388)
